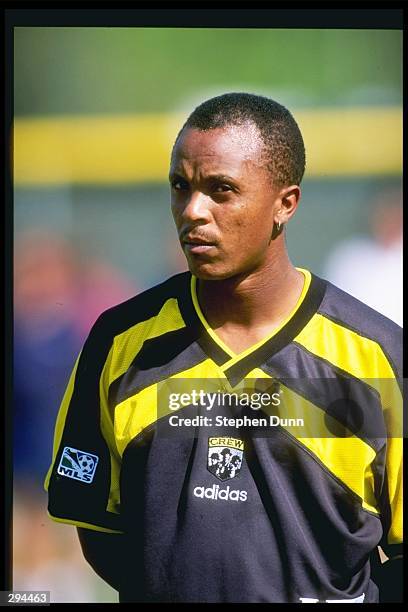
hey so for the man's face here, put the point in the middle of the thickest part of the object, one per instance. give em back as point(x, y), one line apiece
point(223, 200)
point(227, 457)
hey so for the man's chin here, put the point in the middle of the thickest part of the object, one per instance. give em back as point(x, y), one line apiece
point(209, 271)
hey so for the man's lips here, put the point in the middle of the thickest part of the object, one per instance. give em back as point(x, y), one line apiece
point(198, 248)
point(197, 245)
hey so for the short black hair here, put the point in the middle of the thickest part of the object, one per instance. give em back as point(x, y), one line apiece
point(284, 146)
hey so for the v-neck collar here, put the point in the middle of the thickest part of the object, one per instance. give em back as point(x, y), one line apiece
point(236, 366)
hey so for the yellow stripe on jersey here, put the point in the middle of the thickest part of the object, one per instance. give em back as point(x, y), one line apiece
point(343, 348)
point(395, 493)
point(127, 344)
point(106, 426)
point(136, 413)
point(60, 423)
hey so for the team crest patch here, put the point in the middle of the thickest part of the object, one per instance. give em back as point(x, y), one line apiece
point(225, 456)
point(77, 464)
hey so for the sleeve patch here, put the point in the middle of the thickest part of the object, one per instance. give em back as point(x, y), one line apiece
point(77, 464)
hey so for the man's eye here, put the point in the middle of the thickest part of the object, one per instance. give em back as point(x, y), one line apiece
point(179, 184)
point(222, 188)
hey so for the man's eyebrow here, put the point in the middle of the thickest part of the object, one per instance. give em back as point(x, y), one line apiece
point(173, 175)
point(210, 176)
point(220, 177)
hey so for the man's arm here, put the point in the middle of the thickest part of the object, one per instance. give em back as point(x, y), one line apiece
point(104, 553)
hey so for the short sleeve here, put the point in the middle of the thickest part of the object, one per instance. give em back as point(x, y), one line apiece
point(83, 479)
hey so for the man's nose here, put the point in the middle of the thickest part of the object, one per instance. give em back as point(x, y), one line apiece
point(196, 207)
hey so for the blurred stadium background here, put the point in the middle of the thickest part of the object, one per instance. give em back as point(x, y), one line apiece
point(96, 111)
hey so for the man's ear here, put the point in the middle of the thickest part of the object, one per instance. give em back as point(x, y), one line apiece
point(289, 199)
point(285, 206)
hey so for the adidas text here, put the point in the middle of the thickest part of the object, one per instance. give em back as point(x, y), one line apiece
point(215, 492)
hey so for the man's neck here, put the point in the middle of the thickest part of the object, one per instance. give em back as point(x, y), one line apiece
point(255, 303)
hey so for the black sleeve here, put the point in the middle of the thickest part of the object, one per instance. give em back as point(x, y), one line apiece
point(82, 481)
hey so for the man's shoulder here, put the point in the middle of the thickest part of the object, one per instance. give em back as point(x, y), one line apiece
point(348, 312)
point(142, 306)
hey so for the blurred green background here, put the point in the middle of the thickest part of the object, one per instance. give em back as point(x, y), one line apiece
point(128, 70)
point(85, 240)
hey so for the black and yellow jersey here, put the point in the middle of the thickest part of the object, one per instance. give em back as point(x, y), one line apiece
point(275, 511)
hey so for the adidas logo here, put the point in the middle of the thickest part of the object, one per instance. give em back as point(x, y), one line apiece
point(215, 493)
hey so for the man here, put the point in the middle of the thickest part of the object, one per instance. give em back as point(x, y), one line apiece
point(306, 510)
point(235, 465)
point(214, 462)
point(225, 468)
